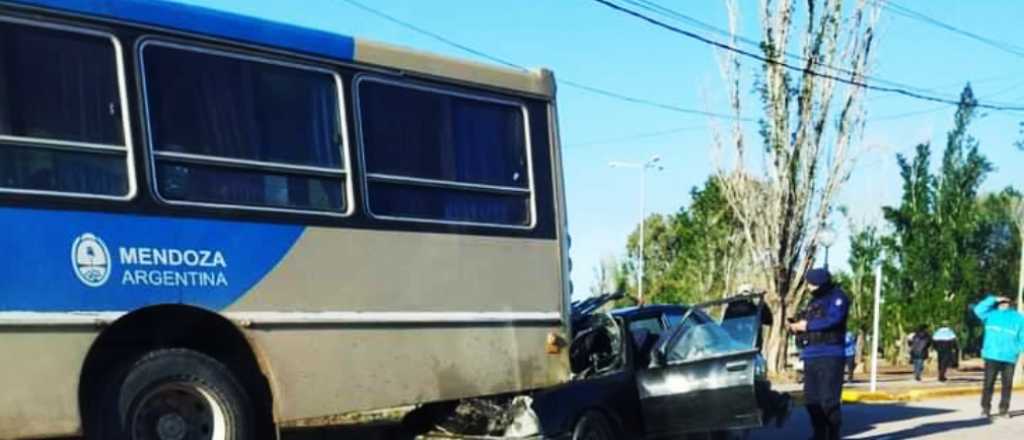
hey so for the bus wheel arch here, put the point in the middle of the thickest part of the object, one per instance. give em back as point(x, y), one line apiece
point(175, 326)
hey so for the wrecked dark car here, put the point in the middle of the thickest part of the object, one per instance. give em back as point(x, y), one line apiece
point(659, 371)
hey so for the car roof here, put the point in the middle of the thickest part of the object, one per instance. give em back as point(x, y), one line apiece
point(635, 312)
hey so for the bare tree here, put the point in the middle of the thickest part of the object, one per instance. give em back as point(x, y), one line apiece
point(608, 276)
point(808, 125)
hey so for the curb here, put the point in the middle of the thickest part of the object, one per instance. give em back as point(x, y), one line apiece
point(857, 396)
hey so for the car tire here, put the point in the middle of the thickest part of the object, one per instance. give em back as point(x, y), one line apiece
point(593, 426)
point(175, 393)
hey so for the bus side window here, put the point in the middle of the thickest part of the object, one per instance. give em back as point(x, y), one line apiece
point(435, 155)
point(57, 132)
point(234, 130)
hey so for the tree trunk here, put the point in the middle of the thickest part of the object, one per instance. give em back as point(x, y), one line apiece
point(775, 348)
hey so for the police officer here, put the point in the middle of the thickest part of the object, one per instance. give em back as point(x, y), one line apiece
point(821, 335)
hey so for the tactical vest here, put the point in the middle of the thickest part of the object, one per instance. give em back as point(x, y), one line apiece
point(818, 309)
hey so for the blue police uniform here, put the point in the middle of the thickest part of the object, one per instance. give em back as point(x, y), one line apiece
point(824, 354)
point(826, 324)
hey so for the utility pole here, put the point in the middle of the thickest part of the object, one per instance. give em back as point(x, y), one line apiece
point(651, 163)
point(1019, 373)
point(1017, 211)
point(874, 328)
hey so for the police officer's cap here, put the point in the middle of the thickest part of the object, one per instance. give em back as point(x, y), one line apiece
point(818, 277)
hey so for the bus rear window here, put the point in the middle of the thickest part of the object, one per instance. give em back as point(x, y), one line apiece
point(61, 127)
point(435, 155)
point(234, 130)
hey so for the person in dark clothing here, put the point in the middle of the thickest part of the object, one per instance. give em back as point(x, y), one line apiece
point(741, 322)
point(821, 337)
point(920, 344)
point(738, 315)
point(944, 340)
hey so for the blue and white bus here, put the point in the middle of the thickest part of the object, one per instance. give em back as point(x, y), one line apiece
point(214, 226)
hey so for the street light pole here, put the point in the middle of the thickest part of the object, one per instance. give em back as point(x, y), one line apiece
point(1020, 279)
point(651, 163)
point(874, 328)
point(1019, 369)
point(643, 242)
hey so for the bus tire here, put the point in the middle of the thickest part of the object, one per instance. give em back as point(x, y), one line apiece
point(179, 393)
point(593, 426)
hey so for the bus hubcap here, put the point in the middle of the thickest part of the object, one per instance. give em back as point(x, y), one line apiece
point(171, 427)
point(178, 412)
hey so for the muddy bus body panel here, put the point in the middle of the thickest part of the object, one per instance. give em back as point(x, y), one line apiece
point(356, 306)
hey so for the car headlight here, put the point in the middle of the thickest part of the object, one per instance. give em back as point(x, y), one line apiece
point(760, 367)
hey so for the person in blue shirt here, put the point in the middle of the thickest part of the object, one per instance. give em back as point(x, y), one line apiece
point(820, 335)
point(944, 341)
point(1004, 341)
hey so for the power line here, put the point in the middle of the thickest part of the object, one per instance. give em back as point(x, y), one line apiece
point(635, 100)
point(637, 136)
point(661, 133)
point(914, 15)
point(748, 54)
point(672, 13)
point(959, 83)
point(434, 35)
point(675, 14)
point(567, 82)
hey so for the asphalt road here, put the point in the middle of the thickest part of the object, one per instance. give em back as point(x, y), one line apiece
point(955, 418)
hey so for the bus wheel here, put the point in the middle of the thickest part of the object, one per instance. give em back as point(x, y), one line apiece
point(179, 394)
point(593, 426)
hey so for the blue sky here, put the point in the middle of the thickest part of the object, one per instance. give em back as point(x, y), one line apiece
point(585, 42)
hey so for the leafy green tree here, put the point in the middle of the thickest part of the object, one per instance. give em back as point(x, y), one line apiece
point(865, 251)
point(692, 255)
point(939, 234)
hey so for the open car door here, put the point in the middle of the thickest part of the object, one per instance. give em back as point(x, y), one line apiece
point(703, 374)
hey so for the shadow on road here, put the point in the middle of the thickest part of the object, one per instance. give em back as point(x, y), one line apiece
point(863, 418)
point(857, 419)
point(931, 429)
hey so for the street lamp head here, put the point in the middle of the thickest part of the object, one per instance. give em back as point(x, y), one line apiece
point(827, 236)
point(655, 158)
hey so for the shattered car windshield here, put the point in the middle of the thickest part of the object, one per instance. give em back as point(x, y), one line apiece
point(742, 329)
point(700, 337)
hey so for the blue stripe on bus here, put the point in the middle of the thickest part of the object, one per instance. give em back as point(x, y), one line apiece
point(210, 22)
point(50, 260)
